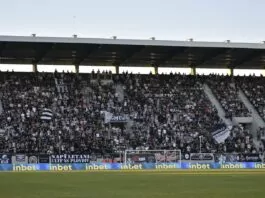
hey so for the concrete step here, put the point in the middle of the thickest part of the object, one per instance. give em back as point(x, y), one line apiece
point(216, 104)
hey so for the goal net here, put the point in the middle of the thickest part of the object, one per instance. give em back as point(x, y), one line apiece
point(152, 156)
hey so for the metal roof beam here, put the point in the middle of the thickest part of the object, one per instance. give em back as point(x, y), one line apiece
point(2, 47)
point(171, 55)
point(42, 52)
point(86, 53)
point(209, 56)
point(130, 55)
point(246, 58)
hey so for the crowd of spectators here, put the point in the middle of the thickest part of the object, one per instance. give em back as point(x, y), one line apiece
point(226, 92)
point(76, 122)
point(254, 89)
point(162, 111)
point(169, 111)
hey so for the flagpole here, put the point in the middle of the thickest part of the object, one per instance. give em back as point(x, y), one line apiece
point(200, 137)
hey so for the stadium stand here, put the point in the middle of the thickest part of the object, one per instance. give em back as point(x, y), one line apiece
point(105, 113)
point(65, 113)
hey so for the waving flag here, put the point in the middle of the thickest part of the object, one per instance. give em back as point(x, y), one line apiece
point(46, 114)
point(221, 133)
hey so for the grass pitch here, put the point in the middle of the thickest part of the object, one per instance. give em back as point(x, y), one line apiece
point(148, 184)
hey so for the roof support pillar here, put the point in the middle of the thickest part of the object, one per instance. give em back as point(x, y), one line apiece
point(156, 70)
point(231, 71)
point(193, 71)
point(117, 68)
point(77, 69)
point(35, 68)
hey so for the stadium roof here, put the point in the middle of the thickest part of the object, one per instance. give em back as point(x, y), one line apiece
point(123, 52)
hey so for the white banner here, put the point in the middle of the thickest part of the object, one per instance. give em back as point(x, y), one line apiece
point(221, 133)
point(108, 116)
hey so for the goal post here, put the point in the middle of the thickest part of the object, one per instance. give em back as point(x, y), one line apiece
point(152, 156)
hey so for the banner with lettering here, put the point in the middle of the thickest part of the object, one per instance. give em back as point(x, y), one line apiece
point(67, 158)
point(201, 157)
point(118, 119)
point(64, 167)
point(111, 118)
point(237, 157)
point(252, 157)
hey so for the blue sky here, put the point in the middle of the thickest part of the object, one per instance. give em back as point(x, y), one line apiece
point(207, 20)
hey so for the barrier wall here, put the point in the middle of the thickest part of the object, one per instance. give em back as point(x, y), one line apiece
point(119, 166)
point(147, 156)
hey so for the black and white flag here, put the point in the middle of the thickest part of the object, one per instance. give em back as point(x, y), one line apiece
point(46, 114)
point(221, 133)
point(108, 116)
